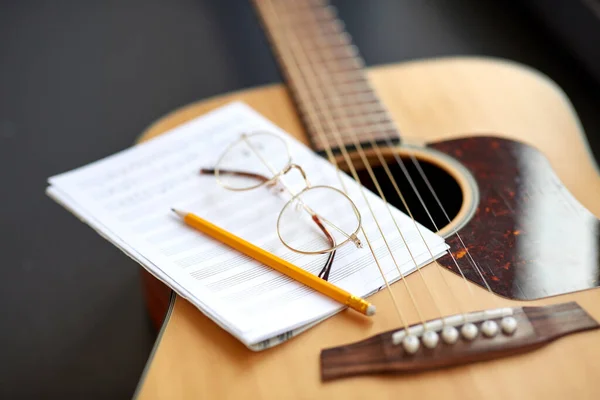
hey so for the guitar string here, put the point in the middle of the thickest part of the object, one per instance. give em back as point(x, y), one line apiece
point(402, 166)
point(333, 128)
point(414, 188)
point(382, 160)
point(454, 230)
point(332, 160)
point(423, 175)
point(399, 161)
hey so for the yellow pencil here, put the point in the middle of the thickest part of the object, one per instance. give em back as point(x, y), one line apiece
point(278, 264)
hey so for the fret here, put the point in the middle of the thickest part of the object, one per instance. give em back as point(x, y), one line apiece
point(317, 42)
point(335, 98)
point(329, 53)
point(346, 58)
point(333, 90)
point(343, 89)
point(320, 62)
point(342, 109)
point(350, 64)
point(310, 43)
point(327, 28)
point(324, 46)
point(363, 120)
point(300, 5)
point(355, 73)
point(310, 14)
point(363, 124)
point(341, 112)
point(321, 40)
point(353, 92)
point(315, 17)
point(334, 39)
point(347, 78)
point(357, 100)
point(361, 131)
point(364, 135)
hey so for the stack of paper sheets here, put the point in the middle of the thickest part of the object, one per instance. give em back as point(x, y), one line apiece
point(127, 198)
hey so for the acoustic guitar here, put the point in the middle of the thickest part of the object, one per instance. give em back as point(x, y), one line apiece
point(489, 154)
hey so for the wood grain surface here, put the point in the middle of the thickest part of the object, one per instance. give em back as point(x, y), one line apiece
point(431, 101)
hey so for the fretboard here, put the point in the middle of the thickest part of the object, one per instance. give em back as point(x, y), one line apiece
point(325, 74)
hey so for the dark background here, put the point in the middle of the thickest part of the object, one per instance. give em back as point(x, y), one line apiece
point(79, 80)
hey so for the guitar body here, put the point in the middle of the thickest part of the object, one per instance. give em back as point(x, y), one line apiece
point(433, 102)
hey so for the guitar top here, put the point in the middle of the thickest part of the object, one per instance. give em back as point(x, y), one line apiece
point(488, 154)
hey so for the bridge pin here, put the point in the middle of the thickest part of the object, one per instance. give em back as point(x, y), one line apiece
point(449, 334)
point(509, 325)
point(430, 339)
point(410, 344)
point(469, 331)
point(489, 328)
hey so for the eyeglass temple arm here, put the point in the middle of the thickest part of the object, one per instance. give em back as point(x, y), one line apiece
point(324, 274)
point(300, 169)
point(211, 171)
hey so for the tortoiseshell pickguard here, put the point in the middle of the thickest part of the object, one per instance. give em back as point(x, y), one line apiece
point(529, 236)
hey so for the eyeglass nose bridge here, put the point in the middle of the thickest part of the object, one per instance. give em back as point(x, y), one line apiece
point(300, 169)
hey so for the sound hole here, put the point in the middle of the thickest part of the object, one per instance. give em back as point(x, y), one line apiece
point(445, 186)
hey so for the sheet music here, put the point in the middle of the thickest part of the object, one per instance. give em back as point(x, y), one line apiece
point(127, 198)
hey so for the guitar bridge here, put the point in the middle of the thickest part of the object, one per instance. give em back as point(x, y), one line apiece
point(392, 352)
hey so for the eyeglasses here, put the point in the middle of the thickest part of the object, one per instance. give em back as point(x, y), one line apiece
point(315, 220)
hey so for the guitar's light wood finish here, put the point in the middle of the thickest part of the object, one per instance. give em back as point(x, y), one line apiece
point(432, 100)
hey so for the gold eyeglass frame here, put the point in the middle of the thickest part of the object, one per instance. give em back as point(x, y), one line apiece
point(296, 198)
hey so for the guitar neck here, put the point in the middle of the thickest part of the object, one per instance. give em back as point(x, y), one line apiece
point(325, 74)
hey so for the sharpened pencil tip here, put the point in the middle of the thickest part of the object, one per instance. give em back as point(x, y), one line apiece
point(180, 213)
